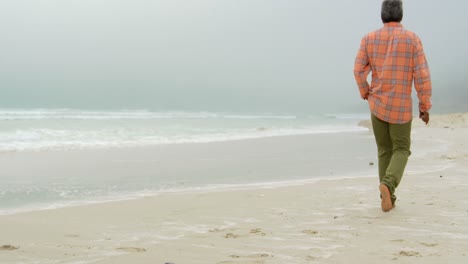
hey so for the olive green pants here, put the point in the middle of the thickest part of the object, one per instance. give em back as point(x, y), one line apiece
point(393, 146)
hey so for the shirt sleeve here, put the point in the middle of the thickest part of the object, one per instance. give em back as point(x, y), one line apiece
point(362, 69)
point(422, 78)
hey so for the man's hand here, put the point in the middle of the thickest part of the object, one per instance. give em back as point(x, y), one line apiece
point(424, 116)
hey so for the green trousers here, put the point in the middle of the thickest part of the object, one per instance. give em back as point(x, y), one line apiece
point(393, 145)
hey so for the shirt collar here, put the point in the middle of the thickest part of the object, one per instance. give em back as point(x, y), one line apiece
point(393, 24)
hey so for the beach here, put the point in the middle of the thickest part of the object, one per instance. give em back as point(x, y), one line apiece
point(312, 218)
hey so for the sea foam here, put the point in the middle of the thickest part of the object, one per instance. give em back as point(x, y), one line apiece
point(43, 129)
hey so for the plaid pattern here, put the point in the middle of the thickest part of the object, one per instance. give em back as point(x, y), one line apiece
point(395, 57)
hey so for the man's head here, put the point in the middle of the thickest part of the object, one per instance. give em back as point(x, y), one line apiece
point(392, 11)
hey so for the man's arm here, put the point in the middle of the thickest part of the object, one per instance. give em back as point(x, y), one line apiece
point(362, 69)
point(422, 82)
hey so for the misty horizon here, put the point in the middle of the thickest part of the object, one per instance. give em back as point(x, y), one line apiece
point(239, 56)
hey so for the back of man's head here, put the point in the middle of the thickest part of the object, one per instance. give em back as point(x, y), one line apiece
point(392, 11)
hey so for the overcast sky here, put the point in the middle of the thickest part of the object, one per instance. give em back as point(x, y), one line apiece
point(228, 55)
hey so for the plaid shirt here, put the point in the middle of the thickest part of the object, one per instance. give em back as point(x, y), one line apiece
point(396, 58)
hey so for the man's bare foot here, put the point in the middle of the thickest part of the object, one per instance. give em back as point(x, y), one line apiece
point(386, 198)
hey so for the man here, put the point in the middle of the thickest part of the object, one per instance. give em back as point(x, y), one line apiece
point(396, 58)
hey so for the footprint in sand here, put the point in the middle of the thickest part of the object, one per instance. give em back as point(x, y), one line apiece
point(131, 249)
point(264, 255)
point(230, 235)
point(409, 254)
point(8, 247)
point(310, 232)
point(260, 255)
point(429, 245)
point(216, 230)
point(257, 231)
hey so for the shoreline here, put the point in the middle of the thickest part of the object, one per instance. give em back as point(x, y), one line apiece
point(214, 187)
point(209, 189)
point(155, 170)
point(325, 221)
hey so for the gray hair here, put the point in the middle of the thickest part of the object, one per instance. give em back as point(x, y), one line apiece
point(392, 11)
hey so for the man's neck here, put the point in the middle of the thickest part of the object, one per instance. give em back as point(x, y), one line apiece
point(393, 24)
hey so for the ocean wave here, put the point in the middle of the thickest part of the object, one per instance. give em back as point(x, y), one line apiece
point(45, 139)
point(43, 129)
point(42, 114)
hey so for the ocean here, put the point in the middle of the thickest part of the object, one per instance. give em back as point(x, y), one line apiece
point(29, 184)
point(46, 129)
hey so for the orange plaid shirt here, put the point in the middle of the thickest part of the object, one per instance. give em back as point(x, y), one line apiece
point(396, 58)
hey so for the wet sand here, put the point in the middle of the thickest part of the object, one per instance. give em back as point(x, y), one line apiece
point(325, 221)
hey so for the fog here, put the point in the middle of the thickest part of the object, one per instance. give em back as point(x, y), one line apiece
point(212, 55)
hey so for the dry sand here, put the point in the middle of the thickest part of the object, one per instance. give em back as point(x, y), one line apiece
point(329, 221)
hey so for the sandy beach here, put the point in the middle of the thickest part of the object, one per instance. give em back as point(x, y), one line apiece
point(336, 220)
